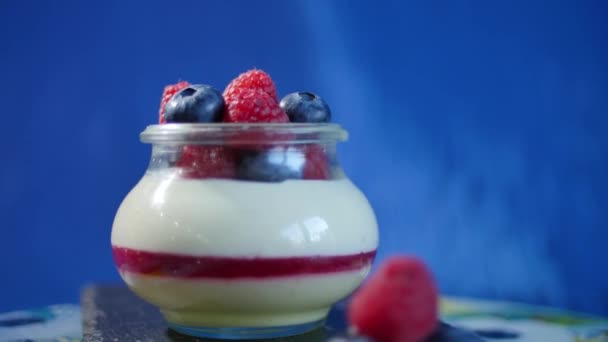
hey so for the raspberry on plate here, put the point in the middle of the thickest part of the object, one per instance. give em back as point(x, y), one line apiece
point(253, 105)
point(398, 304)
point(252, 79)
point(200, 161)
point(168, 93)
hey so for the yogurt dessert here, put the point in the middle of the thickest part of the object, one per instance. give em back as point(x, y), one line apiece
point(244, 225)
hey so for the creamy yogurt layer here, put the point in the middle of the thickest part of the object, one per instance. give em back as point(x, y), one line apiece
point(247, 302)
point(232, 218)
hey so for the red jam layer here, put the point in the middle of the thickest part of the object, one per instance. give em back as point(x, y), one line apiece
point(190, 266)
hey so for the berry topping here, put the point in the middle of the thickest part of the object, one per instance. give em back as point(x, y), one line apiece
point(317, 165)
point(195, 103)
point(305, 107)
point(261, 155)
point(168, 93)
point(200, 161)
point(252, 79)
point(398, 304)
point(273, 165)
point(253, 105)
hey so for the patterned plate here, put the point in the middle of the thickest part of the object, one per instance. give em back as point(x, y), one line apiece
point(105, 308)
point(519, 322)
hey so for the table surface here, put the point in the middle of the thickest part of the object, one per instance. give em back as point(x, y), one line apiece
point(491, 320)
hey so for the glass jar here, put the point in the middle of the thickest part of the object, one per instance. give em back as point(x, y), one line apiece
point(244, 230)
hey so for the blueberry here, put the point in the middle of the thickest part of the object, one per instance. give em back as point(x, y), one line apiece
point(305, 107)
point(273, 165)
point(446, 332)
point(497, 334)
point(195, 103)
point(17, 322)
point(346, 338)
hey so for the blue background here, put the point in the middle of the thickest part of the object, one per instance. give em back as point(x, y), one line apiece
point(478, 129)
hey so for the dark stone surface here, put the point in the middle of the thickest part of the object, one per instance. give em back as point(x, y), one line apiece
point(113, 313)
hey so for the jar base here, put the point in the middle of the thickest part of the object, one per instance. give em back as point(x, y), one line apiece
point(246, 333)
point(249, 325)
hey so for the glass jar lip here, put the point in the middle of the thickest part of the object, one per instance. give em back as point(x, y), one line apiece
point(243, 133)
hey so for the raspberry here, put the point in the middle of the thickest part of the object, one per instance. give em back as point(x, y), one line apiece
point(317, 165)
point(168, 93)
point(253, 105)
point(199, 161)
point(252, 79)
point(398, 304)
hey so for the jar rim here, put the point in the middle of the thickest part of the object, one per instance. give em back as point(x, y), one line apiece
point(243, 133)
